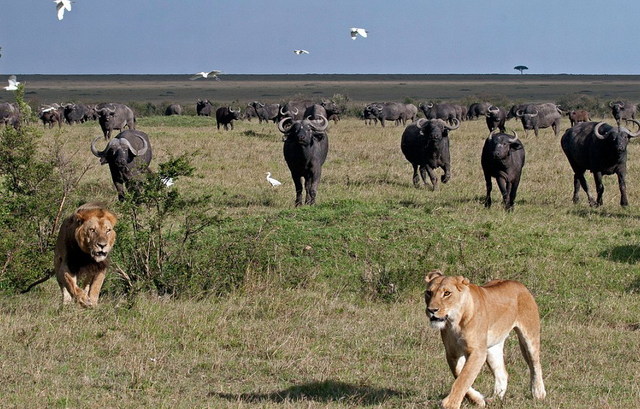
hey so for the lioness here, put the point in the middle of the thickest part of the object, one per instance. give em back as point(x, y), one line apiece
point(474, 322)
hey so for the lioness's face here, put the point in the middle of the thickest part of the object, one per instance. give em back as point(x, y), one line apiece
point(442, 299)
point(96, 237)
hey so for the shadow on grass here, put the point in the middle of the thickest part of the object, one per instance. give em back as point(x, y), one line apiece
point(594, 211)
point(634, 287)
point(628, 253)
point(319, 391)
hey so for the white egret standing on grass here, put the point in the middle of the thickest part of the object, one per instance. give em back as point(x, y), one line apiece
point(355, 31)
point(271, 180)
point(13, 83)
point(210, 74)
point(61, 6)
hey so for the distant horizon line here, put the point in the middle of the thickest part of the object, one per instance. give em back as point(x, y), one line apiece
point(333, 74)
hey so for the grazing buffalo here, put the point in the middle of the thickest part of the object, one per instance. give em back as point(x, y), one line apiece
point(173, 109)
point(225, 117)
point(9, 114)
point(50, 116)
point(333, 110)
point(370, 113)
point(410, 113)
point(601, 149)
point(250, 112)
point(502, 159)
point(446, 112)
point(425, 144)
point(537, 116)
point(478, 109)
point(294, 109)
point(114, 116)
point(128, 156)
point(461, 112)
point(513, 112)
point(496, 117)
point(578, 116)
point(204, 108)
point(76, 113)
point(388, 111)
point(305, 149)
point(265, 112)
point(622, 110)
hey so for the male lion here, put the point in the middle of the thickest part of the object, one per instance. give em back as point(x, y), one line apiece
point(474, 322)
point(82, 249)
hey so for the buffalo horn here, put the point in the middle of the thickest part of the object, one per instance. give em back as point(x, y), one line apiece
point(420, 123)
point(515, 137)
point(532, 115)
point(596, 132)
point(281, 124)
point(456, 124)
point(324, 124)
point(520, 113)
point(140, 151)
point(631, 134)
point(95, 151)
point(235, 112)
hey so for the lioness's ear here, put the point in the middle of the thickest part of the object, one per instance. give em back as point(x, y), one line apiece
point(432, 275)
point(460, 282)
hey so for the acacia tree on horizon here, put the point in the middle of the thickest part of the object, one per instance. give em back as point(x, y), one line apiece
point(521, 68)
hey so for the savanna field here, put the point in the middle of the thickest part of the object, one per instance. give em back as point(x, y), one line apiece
point(270, 306)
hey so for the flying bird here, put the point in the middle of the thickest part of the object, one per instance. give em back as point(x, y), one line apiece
point(61, 6)
point(271, 180)
point(210, 74)
point(13, 84)
point(355, 31)
point(301, 52)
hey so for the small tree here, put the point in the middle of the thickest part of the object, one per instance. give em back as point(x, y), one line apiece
point(521, 68)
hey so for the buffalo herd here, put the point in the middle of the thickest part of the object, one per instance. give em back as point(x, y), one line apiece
point(594, 146)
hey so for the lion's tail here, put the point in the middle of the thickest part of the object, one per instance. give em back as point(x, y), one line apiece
point(47, 276)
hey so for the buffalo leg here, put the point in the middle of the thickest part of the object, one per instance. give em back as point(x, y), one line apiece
point(432, 177)
point(297, 181)
point(512, 194)
point(312, 187)
point(623, 189)
point(447, 173)
point(487, 200)
point(416, 178)
point(579, 180)
point(423, 175)
point(597, 177)
point(505, 188)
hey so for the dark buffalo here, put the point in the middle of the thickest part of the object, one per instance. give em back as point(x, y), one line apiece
point(250, 112)
point(601, 149)
point(204, 108)
point(265, 112)
point(538, 116)
point(305, 149)
point(461, 112)
point(446, 112)
point(513, 112)
point(294, 109)
point(315, 111)
point(333, 110)
point(370, 113)
point(478, 109)
point(622, 110)
point(9, 114)
point(502, 159)
point(50, 116)
point(388, 111)
point(173, 109)
point(76, 113)
point(496, 117)
point(128, 156)
point(114, 116)
point(579, 115)
point(225, 117)
point(410, 113)
point(425, 144)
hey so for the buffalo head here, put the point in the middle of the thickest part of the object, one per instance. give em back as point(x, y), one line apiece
point(503, 144)
point(303, 131)
point(618, 135)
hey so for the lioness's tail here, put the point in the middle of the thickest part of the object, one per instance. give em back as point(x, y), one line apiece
point(48, 275)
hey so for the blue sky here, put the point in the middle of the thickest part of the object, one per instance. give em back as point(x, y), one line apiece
point(258, 37)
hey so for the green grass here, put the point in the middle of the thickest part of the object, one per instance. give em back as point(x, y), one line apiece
point(325, 307)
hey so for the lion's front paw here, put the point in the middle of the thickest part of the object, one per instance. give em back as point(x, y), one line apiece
point(84, 300)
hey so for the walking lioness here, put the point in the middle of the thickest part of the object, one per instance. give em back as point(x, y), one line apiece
point(474, 322)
